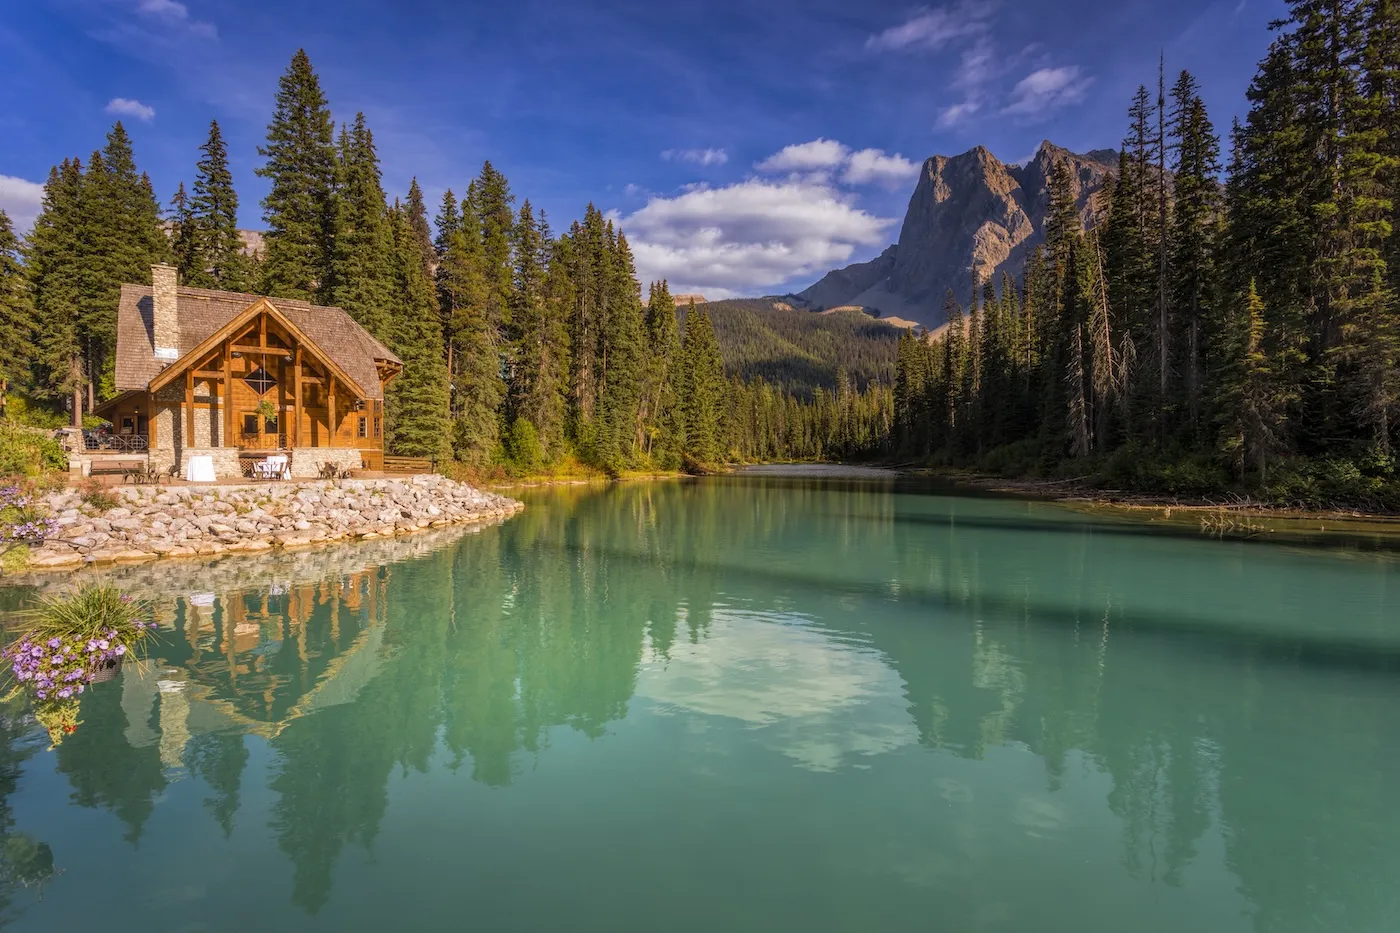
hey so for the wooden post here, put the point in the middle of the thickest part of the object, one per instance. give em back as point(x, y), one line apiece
point(189, 408)
point(151, 421)
point(330, 407)
point(228, 394)
point(213, 399)
point(296, 396)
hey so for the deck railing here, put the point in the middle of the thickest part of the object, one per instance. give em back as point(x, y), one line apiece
point(101, 440)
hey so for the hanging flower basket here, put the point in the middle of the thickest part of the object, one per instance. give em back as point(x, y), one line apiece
point(72, 642)
point(105, 671)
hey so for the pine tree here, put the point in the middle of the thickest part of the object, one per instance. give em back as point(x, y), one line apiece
point(492, 206)
point(703, 389)
point(660, 427)
point(422, 233)
point(589, 257)
point(1378, 119)
point(1192, 247)
point(214, 210)
point(473, 339)
point(18, 349)
point(53, 258)
point(417, 413)
point(537, 390)
point(300, 207)
point(622, 348)
point(121, 239)
point(185, 247)
point(1252, 401)
point(1270, 234)
point(362, 256)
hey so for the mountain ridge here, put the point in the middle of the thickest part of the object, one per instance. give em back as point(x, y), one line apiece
point(970, 218)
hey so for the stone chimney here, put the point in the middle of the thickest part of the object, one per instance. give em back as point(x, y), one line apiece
point(165, 315)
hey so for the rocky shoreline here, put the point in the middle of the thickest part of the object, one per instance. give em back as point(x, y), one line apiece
point(149, 523)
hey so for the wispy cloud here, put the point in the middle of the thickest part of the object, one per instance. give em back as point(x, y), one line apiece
point(933, 28)
point(174, 13)
point(21, 199)
point(697, 156)
point(1046, 90)
point(126, 107)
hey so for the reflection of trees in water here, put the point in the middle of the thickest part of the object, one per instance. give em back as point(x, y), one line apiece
point(219, 758)
point(24, 860)
point(1003, 631)
point(105, 769)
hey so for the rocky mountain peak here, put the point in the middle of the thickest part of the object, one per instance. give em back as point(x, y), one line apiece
point(971, 217)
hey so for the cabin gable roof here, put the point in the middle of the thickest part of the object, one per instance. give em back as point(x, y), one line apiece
point(202, 313)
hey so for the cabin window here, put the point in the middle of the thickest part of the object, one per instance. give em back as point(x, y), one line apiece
point(363, 430)
point(378, 426)
point(250, 424)
point(270, 426)
point(128, 426)
point(260, 381)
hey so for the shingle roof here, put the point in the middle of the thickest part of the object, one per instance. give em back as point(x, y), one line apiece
point(202, 311)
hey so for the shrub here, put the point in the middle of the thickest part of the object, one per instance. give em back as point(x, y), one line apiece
point(96, 495)
point(29, 451)
point(522, 447)
point(1021, 458)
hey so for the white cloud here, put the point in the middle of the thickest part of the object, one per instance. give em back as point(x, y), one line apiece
point(1046, 90)
point(873, 165)
point(125, 107)
point(957, 113)
point(698, 156)
point(21, 199)
point(749, 236)
point(932, 29)
point(806, 157)
point(174, 13)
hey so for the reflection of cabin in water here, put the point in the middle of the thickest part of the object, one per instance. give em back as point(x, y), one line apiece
point(241, 377)
point(255, 661)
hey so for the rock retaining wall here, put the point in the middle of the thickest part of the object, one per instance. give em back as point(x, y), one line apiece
point(189, 521)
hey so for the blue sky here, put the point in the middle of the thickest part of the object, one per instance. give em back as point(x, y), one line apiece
point(746, 147)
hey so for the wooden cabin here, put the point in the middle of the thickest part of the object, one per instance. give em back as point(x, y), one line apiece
point(244, 377)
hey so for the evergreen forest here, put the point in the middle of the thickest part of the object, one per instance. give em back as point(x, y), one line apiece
point(525, 348)
point(1205, 331)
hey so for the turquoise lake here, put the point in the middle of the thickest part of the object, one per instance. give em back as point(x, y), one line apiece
point(758, 702)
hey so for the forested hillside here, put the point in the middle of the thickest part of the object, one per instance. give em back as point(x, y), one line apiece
point(1198, 338)
point(775, 340)
point(523, 348)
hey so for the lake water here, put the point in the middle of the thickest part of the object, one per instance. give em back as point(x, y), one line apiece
point(748, 703)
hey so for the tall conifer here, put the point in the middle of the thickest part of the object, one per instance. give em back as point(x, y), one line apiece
point(300, 207)
point(362, 256)
point(214, 209)
point(417, 414)
point(17, 325)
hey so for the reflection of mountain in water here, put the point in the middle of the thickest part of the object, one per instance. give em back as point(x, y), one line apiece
point(836, 623)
